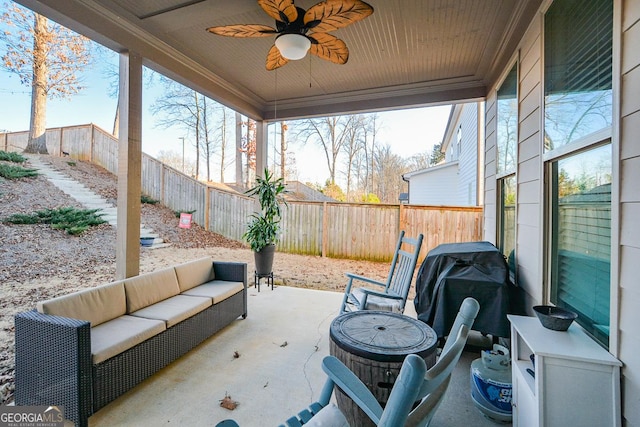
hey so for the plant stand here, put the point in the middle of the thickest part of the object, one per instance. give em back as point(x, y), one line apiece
point(268, 276)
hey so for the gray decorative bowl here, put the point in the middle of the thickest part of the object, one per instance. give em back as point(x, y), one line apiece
point(554, 318)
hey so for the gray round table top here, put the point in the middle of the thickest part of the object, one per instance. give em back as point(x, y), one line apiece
point(382, 336)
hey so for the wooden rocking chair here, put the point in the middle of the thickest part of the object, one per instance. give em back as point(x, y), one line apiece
point(391, 295)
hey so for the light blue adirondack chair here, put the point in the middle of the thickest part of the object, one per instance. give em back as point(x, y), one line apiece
point(432, 385)
point(414, 384)
point(392, 294)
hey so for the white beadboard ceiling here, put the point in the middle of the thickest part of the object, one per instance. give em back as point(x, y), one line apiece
point(408, 53)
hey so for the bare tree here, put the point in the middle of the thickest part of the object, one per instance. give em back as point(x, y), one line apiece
point(45, 56)
point(249, 150)
point(182, 107)
point(355, 143)
point(389, 170)
point(331, 134)
point(175, 160)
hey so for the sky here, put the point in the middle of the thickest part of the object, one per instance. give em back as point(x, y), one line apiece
point(408, 132)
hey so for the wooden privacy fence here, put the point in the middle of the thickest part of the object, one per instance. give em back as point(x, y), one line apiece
point(331, 229)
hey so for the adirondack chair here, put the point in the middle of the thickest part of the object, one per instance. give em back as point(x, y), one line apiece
point(431, 386)
point(437, 378)
point(414, 384)
point(391, 295)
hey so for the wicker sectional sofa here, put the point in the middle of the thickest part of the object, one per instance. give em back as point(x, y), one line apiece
point(85, 349)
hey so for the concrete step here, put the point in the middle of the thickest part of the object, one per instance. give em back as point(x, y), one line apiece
point(89, 199)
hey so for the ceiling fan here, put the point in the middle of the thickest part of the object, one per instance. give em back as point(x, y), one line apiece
point(299, 31)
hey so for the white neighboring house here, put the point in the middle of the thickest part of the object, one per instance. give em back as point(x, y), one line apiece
point(457, 181)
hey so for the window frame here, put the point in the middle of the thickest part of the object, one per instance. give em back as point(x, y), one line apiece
point(501, 176)
point(607, 135)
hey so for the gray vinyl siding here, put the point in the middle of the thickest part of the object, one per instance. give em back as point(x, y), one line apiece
point(468, 156)
point(629, 285)
point(490, 193)
point(435, 186)
point(530, 198)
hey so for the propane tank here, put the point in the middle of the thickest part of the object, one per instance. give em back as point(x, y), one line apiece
point(491, 383)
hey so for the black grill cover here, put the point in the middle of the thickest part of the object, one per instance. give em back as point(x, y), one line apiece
point(453, 271)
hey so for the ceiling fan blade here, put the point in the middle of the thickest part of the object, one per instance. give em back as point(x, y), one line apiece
point(275, 59)
point(280, 10)
point(241, 30)
point(330, 15)
point(328, 47)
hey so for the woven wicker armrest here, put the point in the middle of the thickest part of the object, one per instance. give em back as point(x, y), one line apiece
point(231, 271)
point(53, 363)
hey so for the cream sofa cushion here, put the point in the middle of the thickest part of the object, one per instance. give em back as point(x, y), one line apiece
point(147, 289)
point(194, 273)
point(217, 290)
point(174, 310)
point(120, 334)
point(95, 305)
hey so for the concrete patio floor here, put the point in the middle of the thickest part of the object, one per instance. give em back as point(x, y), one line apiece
point(270, 363)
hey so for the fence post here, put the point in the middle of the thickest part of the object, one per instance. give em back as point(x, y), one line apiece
point(324, 230)
point(206, 207)
point(93, 141)
point(162, 171)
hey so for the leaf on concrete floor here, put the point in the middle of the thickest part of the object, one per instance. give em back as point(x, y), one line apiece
point(228, 403)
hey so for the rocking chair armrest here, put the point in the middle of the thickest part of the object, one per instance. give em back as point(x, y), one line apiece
point(381, 294)
point(353, 387)
point(353, 276)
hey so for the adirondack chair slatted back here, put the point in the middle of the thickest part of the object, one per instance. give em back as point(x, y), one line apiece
point(396, 288)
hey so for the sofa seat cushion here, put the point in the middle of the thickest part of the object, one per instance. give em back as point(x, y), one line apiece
point(115, 336)
point(147, 289)
point(174, 310)
point(194, 273)
point(95, 305)
point(217, 290)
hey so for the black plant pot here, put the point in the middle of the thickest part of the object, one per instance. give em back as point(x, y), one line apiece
point(264, 260)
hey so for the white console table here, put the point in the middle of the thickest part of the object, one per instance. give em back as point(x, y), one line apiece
point(576, 383)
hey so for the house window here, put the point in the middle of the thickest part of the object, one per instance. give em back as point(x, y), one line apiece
point(577, 70)
point(507, 143)
point(581, 237)
point(459, 141)
point(578, 154)
point(507, 219)
point(507, 123)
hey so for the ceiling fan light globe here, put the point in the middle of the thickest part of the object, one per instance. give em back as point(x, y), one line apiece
point(293, 46)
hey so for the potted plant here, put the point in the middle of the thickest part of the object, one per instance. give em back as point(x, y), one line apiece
point(264, 226)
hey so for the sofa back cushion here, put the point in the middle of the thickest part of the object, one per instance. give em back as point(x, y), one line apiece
point(95, 305)
point(150, 288)
point(194, 273)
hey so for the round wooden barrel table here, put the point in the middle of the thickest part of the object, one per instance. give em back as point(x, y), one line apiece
point(373, 344)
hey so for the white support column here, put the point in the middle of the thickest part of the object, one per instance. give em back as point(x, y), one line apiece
point(261, 147)
point(129, 166)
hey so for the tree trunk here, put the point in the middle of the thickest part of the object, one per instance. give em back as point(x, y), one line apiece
point(283, 150)
point(38, 123)
point(223, 144)
point(116, 120)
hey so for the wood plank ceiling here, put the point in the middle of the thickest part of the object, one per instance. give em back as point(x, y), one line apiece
point(408, 53)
